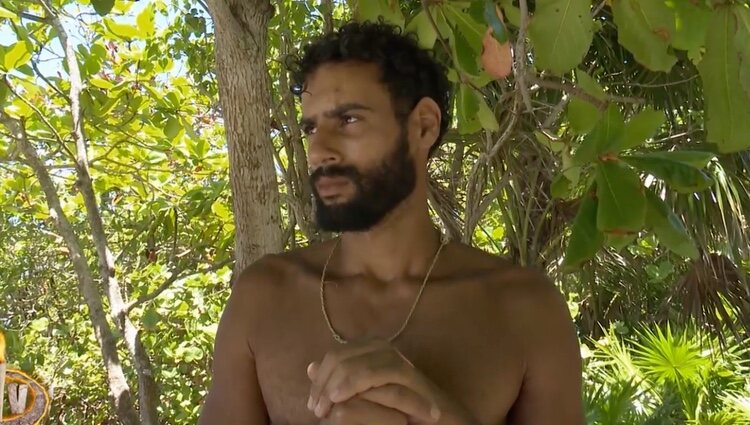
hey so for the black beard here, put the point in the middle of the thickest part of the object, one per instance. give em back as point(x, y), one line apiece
point(378, 192)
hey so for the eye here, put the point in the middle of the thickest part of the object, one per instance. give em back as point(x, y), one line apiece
point(349, 119)
point(308, 129)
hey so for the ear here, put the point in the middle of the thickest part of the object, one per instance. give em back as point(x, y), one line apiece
point(425, 123)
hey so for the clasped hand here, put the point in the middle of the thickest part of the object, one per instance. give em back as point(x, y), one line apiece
point(372, 382)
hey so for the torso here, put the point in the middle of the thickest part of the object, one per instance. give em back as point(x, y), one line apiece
point(464, 335)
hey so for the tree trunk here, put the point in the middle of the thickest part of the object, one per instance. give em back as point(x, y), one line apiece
point(148, 394)
point(118, 385)
point(241, 43)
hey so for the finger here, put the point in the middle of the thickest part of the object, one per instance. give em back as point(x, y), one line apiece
point(329, 363)
point(404, 400)
point(358, 411)
point(312, 370)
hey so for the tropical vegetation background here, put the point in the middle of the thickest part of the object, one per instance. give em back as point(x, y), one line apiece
point(605, 141)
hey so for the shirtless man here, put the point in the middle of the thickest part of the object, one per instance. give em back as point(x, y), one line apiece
point(405, 329)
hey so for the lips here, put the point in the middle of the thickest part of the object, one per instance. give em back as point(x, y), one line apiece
point(328, 187)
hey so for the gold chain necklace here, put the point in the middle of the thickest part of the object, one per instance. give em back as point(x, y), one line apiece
point(443, 242)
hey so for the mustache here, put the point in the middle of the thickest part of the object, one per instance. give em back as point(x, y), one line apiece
point(334, 171)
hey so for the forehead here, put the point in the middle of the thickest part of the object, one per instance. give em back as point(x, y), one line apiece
point(334, 84)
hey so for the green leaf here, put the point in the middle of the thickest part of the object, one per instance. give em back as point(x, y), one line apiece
point(467, 109)
point(471, 30)
point(422, 27)
point(103, 7)
point(619, 242)
point(491, 18)
point(605, 136)
point(18, 54)
point(691, 24)
point(742, 44)
point(172, 127)
point(512, 13)
point(641, 127)
point(646, 28)
point(585, 238)
point(221, 210)
point(5, 13)
point(561, 187)
point(371, 10)
point(39, 325)
point(122, 31)
point(146, 21)
point(561, 32)
point(727, 104)
point(486, 116)
point(553, 145)
point(584, 115)
point(682, 177)
point(150, 318)
point(622, 204)
point(695, 159)
point(668, 228)
point(465, 56)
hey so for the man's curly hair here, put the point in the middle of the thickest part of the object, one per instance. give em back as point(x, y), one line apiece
point(409, 72)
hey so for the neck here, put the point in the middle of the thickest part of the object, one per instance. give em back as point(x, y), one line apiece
point(401, 246)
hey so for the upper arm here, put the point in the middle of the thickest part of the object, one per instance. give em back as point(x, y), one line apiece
point(551, 392)
point(235, 396)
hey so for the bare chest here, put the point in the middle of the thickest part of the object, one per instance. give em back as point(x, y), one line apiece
point(469, 358)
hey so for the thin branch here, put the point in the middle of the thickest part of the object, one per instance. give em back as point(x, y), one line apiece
point(579, 92)
point(30, 17)
point(41, 116)
point(520, 56)
point(175, 276)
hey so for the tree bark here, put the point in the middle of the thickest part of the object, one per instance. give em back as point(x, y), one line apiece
point(118, 385)
point(148, 394)
point(241, 43)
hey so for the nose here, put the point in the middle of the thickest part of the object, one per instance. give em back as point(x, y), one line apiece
point(322, 151)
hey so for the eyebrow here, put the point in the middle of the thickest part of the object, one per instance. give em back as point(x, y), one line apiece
point(337, 112)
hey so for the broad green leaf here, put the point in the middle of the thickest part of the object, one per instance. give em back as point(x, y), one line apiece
point(605, 136)
point(122, 31)
point(422, 27)
point(622, 204)
point(553, 145)
point(19, 54)
point(464, 54)
point(619, 242)
point(172, 127)
point(695, 159)
point(512, 13)
point(493, 20)
point(641, 127)
point(486, 116)
point(221, 210)
point(560, 187)
point(103, 7)
point(646, 28)
point(584, 115)
point(668, 228)
point(40, 325)
point(471, 30)
point(561, 32)
point(682, 177)
point(691, 25)
point(5, 13)
point(467, 109)
point(742, 44)
point(150, 318)
point(585, 238)
point(371, 10)
point(101, 83)
point(727, 104)
point(146, 21)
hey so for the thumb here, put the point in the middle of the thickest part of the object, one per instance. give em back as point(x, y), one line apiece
point(312, 370)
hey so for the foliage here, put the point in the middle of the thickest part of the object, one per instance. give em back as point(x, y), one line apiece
point(607, 145)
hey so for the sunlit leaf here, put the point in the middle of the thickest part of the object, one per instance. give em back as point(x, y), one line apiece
point(727, 103)
point(646, 29)
point(146, 21)
point(561, 32)
point(18, 54)
point(640, 128)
